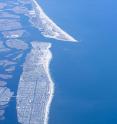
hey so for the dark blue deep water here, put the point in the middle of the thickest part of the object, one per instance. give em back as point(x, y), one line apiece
point(84, 73)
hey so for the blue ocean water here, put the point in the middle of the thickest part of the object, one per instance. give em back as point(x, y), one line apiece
point(84, 73)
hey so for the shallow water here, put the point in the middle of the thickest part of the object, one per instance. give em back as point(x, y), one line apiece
point(84, 73)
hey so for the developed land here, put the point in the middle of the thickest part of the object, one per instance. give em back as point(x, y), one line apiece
point(35, 88)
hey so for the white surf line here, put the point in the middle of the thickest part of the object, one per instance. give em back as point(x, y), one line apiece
point(48, 27)
point(35, 89)
point(51, 90)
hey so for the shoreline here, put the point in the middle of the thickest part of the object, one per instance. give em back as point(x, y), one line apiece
point(36, 88)
point(47, 111)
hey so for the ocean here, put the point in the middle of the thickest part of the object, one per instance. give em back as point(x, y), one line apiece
point(84, 73)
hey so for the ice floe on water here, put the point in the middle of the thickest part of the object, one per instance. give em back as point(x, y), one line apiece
point(35, 88)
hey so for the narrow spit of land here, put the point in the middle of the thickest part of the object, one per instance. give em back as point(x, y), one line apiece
point(35, 88)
